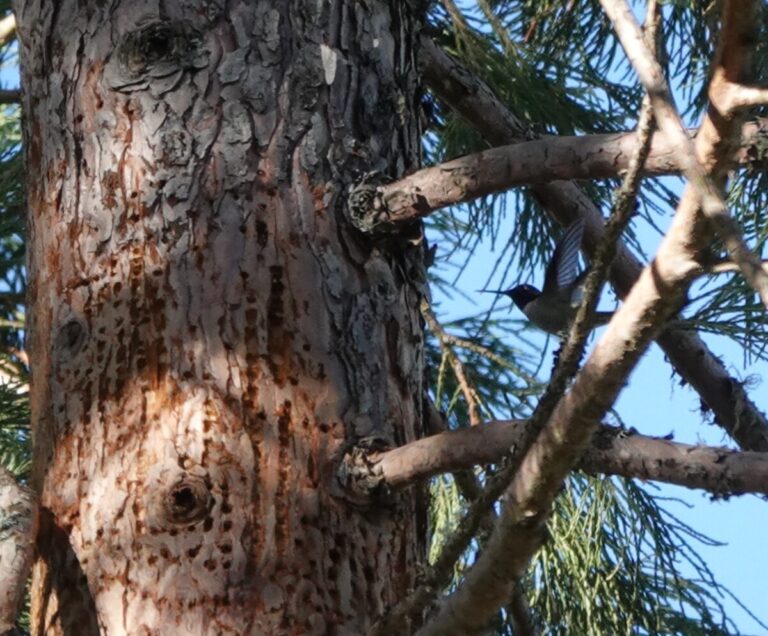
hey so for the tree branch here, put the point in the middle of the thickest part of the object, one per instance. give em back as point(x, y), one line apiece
point(652, 301)
point(470, 395)
point(520, 612)
point(727, 267)
point(7, 29)
point(612, 451)
point(738, 97)
point(692, 359)
point(7, 34)
point(532, 162)
point(10, 96)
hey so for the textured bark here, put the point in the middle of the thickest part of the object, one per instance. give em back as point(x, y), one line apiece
point(207, 331)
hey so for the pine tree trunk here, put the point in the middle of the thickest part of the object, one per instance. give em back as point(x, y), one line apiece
point(208, 332)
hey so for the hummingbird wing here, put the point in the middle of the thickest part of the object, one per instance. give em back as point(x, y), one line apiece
point(562, 269)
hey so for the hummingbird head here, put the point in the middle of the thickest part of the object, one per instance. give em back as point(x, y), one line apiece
point(522, 295)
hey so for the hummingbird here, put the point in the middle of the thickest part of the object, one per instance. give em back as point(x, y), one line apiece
point(554, 308)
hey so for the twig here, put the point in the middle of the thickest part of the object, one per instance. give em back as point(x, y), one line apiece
point(457, 18)
point(470, 395)
point(485, 352)
point(498, 28)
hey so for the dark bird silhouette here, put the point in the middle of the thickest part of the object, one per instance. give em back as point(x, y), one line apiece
point(554, 308)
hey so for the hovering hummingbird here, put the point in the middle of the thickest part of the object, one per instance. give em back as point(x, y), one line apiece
point(554, 308)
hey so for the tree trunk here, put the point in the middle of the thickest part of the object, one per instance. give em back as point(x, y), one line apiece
point(208, 333)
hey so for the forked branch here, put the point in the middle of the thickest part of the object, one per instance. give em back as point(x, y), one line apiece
point(722, 88)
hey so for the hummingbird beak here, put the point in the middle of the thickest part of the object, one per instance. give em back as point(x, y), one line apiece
point(493, 291)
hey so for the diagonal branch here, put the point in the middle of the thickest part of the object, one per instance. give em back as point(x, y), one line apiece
point(7, 29)
point(565, 201)
point(711, 198)
point(7, 34)
point(470, 395)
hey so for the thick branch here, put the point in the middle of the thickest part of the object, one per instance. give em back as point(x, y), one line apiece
point(613, 451)
point(18, 532)
point(738, 97)
point(520, 612)
point(565, 201)
point(532, 162)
